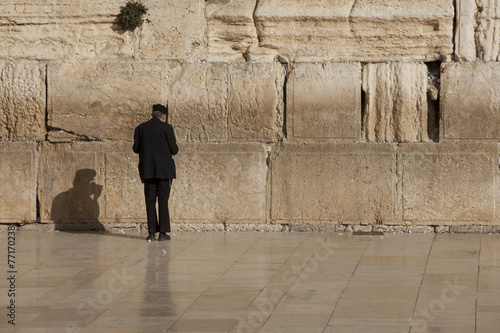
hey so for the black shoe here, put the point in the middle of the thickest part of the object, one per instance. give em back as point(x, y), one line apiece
point(151, 237)
point(163, 236)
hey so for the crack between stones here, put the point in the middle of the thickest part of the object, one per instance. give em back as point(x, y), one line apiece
point(228, 92)
point(456, 33)
point(255, 21)
point(81, 137)
point(46, 139)
point(285, 82)
point(46, 102)
point(352, 8)
point(349, 18)
point(38, 216)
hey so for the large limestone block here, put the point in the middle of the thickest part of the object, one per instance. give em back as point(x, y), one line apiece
point(324, 102)
point(66, 29)
point(218, 102)
point(122, 185)
point(448, 183)
point(90, 182)
point(198, 102)
point(395, 102)
point(465, 41)
point(71, 182)
point(356, 30)
point(220, 183)
point(18, 182)
point(256, 102)
point(103, 101)
point(232, 34)
point(470, 102)
point(334, 183)
point(173, 30)
point(477, 35)
point(19, 11)
point(62, 41)
point(488, 30)
point(81, 30)
point(230, 29)
point(22, 101)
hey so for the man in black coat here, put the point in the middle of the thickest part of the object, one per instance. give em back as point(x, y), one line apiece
point(155, 143)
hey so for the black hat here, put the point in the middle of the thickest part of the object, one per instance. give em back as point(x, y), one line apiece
point(161, 108)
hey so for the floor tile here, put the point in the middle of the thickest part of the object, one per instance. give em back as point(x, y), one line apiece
point(254, 282)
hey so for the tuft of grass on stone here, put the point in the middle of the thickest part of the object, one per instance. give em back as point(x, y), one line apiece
point(130, 16)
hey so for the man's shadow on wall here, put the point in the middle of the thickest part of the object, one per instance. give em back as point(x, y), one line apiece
point(77, 209)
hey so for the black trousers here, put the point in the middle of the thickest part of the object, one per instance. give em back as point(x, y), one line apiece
point(157, 188)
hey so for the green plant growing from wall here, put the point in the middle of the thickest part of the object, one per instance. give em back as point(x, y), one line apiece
point(130, 16)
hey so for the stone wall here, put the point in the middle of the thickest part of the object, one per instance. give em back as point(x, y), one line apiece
point(354, 115)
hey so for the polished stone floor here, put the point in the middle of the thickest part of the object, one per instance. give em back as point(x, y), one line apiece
point(251, 282)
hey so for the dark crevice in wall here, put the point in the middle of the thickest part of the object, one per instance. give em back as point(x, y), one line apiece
point(285, 134)
point(37, 184)
point(254, 16)
point(38, 214)
point(454, 55)
point(433, 120)
point(363, 102)
point(433, 115)
point(46, 102)
point(228, 99)
point(37, 190)
point(362, 109)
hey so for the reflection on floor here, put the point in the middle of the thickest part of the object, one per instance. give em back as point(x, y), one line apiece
point(251, 282)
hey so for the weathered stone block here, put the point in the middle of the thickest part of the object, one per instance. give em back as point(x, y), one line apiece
point(256, 102)
point(336, 183)
point(67, 29)
point(90, 182)
point(81, 30)
point(124, 190)
point(230, 29)
point(356, 30)
point(448, 184)
point(467, 229)
point(198, 102)
point(103, 101)
point(324, 102)
point(220, 183)
point(232, 34)
point(442, 229)
point(71, 182)
point(22, 101)
point(18, 182)
point(215, 102)
point(470, 101)
point(465, 44)
point(173, 30)
point(488, 30)
point(396, 102)
point(477, 31)
point(313, 227)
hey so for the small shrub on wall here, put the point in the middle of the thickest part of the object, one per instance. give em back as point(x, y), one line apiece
point(130, 16)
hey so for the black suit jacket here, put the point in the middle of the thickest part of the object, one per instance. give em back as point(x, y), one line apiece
point(155, 143)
